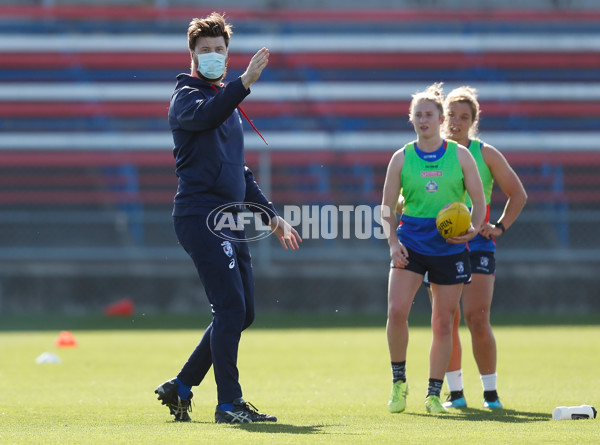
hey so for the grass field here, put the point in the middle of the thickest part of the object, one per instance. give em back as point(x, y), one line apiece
point(327, 380)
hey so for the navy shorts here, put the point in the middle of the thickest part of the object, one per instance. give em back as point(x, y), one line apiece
point(483, 262)
point(445, 269)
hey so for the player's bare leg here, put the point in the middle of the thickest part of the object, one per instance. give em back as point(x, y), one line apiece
point(477, 301)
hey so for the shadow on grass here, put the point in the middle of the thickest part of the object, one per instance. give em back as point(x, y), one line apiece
point(483, 415)
point(281, 428)
point(266, 427)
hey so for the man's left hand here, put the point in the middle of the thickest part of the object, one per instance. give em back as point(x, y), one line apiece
point(287, 235)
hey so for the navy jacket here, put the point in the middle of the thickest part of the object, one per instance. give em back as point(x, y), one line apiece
point(209, 148)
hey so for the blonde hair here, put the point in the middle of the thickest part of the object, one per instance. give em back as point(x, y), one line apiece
point(467, 95)
point(433, 93)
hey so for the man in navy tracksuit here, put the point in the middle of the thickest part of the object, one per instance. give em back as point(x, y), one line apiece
point(209, 158)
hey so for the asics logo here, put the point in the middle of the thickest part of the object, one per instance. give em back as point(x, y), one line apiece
point(232, 263)
point(241, 417)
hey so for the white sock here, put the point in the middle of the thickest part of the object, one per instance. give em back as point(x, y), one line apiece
point(489, 382)
point(454, 380)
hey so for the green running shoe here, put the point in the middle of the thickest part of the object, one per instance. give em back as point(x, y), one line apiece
point(433, 405)
point(397, 402)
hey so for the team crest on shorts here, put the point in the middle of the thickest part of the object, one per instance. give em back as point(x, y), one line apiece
point(484, 261)
point(431, 186)
point(227, 248)
point(460, 267)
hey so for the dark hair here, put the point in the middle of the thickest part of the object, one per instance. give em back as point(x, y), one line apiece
point(212, 26)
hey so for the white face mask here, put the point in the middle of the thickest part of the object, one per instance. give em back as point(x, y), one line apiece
point(211, 65)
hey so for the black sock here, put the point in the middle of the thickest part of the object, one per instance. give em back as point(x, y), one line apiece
point(399, 371)
point(435, 387)
point(490, 396)
point(454, 395)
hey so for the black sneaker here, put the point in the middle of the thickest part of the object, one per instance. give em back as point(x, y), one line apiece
point(167, 394)
point(242, 412)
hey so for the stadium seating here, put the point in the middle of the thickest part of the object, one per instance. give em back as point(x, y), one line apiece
point(84, 95)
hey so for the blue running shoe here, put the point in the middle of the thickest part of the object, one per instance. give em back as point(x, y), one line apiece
point(461, 402)
point(492, 404)
point(456, 399)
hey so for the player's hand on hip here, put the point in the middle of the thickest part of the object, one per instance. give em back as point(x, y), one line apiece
point(488, 230)
point(287, 235)
point(257, 64)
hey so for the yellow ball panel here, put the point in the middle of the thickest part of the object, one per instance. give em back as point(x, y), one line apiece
point(453, 220)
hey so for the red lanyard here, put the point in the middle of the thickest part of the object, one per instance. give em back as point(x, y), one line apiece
point(247, 118)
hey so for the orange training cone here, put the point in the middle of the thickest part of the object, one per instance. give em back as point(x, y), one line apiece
point(66, 340)
point(121, 308)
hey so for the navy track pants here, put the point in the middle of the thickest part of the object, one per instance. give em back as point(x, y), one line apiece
point(225, 269)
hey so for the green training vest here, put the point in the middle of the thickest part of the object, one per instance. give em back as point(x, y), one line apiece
point(484, 172)
point(429, 186)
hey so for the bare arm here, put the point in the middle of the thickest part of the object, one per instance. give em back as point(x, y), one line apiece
point(510, 184)
point(391, 191)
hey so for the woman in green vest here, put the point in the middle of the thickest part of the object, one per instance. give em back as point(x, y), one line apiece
point(429, 173)
point(461, 125)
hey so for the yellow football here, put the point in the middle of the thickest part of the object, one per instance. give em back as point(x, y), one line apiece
point(453, 220)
